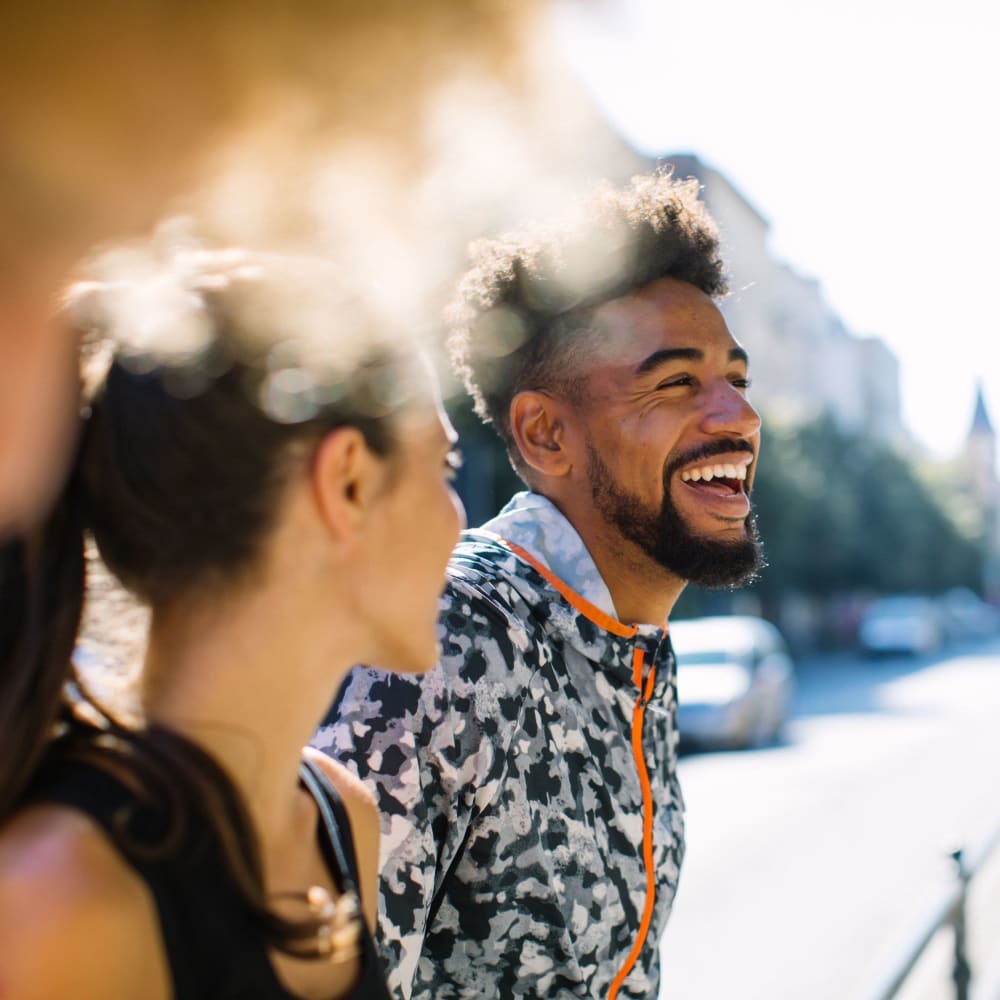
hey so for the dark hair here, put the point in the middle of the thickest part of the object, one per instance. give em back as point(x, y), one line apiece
point(523, 315)
point(182, 458)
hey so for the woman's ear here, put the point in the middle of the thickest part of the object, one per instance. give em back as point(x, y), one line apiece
point(538, 423)
point(346, 476)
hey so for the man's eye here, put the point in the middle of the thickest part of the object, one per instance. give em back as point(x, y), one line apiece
point(676, 381)
point(742, 383)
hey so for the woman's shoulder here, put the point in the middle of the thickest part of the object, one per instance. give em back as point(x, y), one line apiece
point(75, 919)
point(354, 793)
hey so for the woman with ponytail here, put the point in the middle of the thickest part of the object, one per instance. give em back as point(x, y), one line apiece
point(254, 475)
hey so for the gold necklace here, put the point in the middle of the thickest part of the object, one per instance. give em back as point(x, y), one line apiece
point(335, 925)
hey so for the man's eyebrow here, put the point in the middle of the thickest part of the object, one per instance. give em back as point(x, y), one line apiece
point(668, 354)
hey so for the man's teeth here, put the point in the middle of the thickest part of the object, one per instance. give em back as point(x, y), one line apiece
point(708, 472)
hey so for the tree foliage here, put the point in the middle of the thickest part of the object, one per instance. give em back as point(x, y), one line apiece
point(486, 480)
point(843, 512)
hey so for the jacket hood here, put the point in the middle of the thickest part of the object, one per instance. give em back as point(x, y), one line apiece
point(533, 593)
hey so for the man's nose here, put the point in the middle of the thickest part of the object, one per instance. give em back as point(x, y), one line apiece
point(728, 411)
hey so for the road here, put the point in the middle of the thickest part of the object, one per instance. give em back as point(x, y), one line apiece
point(811, 863)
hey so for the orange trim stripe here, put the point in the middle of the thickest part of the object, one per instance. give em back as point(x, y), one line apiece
point(591, 611)
point(647, 820)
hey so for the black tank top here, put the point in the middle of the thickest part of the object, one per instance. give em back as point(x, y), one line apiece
point(213, 948)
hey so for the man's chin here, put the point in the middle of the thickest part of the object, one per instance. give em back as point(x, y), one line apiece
point(723, 533)
point(715, 561)
point(738, 567)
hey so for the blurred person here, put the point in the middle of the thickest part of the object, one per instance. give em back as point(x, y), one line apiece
point(532, 817)
point(249, 459)
point(110, 109)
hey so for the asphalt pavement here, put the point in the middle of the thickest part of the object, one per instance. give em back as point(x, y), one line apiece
point(813, 865)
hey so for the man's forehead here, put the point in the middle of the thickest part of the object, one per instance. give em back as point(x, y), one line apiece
point(667, 314)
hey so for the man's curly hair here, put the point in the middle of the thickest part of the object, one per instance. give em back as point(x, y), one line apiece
point(523, 315)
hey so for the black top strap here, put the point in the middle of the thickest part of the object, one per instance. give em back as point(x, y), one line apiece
point(337, 845)
point(335, 840)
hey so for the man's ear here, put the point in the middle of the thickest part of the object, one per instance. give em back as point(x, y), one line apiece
point(345, 478)
point(538, 423)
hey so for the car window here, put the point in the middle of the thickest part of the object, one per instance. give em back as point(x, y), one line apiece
point(707, 656)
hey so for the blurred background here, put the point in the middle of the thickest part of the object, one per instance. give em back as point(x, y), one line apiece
point(839, 719)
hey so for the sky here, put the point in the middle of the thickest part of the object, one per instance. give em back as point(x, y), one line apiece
point(865, 131)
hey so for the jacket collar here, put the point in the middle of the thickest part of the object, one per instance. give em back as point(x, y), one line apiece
point(534, 523)
point(549, 565)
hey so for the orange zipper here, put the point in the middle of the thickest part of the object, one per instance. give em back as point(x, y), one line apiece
point(578, 601)
point(638, 715)
point(645, 692)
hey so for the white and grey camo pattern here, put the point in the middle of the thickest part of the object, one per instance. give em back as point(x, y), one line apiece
point(511, 804)
point(535, 523)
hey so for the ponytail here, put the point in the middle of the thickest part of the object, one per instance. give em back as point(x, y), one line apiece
point(41, 598)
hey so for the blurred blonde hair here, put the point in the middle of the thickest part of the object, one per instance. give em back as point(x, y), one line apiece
point(113, 103)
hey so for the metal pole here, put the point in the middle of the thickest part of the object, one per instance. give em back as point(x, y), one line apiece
point(961, 972)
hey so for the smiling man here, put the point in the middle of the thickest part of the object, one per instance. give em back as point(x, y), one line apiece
point(533, 830)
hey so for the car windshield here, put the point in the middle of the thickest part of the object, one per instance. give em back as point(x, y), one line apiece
point(708, 656)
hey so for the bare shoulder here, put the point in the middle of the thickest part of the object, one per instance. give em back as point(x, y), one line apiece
point(75, 920)
point(352, 789)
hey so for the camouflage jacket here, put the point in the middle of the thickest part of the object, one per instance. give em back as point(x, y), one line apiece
point(532, 817)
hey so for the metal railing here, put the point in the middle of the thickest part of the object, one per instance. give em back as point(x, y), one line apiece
point(949, 912)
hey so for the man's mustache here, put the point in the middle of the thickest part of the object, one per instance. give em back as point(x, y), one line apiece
point(721, 446)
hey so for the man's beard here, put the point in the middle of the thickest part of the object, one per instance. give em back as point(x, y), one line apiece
point(665, 537)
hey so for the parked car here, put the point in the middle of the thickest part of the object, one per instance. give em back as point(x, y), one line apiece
point(906, 624)
point(735, 681)
point(967, 616)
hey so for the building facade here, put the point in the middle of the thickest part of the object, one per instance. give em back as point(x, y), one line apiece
point(804, 359)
